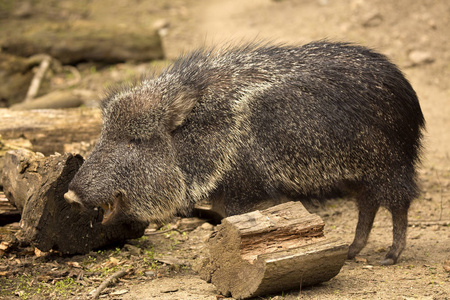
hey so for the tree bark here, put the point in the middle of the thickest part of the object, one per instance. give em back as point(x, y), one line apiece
point(36, 185)
point(272, 250)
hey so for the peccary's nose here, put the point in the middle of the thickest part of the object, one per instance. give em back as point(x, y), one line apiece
point(73, 199)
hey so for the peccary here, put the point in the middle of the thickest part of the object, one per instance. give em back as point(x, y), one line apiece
point(259, 122)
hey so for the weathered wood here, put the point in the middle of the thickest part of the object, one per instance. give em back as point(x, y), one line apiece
point(36, 185)
point(48, 130)
point(272, 250)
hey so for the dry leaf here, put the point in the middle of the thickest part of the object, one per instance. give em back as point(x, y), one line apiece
point(114, 261)
point(39, 253)
point(118, 293)
point(360, 259)
point(4, 245)
point(74, 264)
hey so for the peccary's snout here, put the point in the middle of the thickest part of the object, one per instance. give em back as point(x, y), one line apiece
point(73, 200)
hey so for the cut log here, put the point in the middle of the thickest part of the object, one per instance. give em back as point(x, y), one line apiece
point(76, 42)
point(36, 185)
point(269, 251)
point(48, 130)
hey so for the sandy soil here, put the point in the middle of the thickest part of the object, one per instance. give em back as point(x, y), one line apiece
point(414, 34)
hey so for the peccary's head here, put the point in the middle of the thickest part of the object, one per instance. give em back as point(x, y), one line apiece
point(132, 172)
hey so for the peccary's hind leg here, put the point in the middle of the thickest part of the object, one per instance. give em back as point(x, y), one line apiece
point(367, 211)
point(400, 225)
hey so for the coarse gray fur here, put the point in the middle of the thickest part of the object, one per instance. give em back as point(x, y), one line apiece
point(258, 123)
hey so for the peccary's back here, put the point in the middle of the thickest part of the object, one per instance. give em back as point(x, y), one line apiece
point(297, 120)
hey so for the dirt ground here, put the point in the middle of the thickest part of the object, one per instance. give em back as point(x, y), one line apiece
point(414, 34)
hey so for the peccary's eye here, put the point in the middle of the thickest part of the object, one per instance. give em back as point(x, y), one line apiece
point(117, 194)
point(134, 141)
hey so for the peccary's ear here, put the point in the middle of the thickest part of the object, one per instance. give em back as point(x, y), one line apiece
point(111, 93)
point(178, 109)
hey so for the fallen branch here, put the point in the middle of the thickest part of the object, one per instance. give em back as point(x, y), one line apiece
point(429, 223)
point(76, 74)
point(107, 282)
point(37, 79)
point(162, 231)
point(57, 99)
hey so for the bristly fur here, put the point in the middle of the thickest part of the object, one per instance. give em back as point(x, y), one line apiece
point(257, 123)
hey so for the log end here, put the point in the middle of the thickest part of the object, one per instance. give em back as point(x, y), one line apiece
point(269, 251)
point(48, 221)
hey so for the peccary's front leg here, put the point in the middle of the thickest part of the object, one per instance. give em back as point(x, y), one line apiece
point(367, 211)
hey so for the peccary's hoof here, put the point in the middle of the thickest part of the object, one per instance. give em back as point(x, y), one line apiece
point(353, 251)
point(387, 262)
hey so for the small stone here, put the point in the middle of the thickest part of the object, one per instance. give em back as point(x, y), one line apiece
point(415, 236)
point(207, 226)
point(372, 19)
point(161, 23)
point(435, 227)
point(418, 57)
point(133, 249)
point(360, 259)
